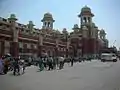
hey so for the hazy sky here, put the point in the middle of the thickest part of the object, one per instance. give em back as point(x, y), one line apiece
point(107, 13)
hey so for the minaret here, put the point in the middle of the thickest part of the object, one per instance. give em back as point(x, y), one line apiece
point(47, 21)
point(86, 16)
point(31, 26)
point(76, 28)
point(14, 44)
point(102, 34)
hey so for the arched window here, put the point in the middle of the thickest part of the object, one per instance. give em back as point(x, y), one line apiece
point(48, 24)
point(45, 23)
point(88, 19)
point(84, 19)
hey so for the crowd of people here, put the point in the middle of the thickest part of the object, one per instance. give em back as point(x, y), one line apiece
point(11, 64)
point(17, 65)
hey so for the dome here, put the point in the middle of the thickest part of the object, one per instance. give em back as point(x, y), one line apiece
point(31, 22)
point(76, 26)
point(84, 28)
point(12, 16)
point(102, 31)
point(64, 30)
point(86, 9)
point(48, 15)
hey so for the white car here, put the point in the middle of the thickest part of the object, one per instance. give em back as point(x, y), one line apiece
point(108, 57)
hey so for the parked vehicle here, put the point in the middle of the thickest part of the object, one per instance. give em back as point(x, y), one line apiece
point(108, 57)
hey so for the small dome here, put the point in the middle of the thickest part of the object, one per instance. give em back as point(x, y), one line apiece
point(86, 9)
point(48, 15)
point(102, 31)
point(64, 30)
point(75, 26)
point(12, 16)
point(84, 28)
point(31, 22)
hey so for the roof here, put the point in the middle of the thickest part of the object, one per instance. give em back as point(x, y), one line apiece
point(48, 15)
point(85, 9)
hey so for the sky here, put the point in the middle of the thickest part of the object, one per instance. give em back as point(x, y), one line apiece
point(65, 13)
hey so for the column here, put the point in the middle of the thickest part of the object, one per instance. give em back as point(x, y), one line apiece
point(15, 44)
point(14, 49)
point(67, 52)
point(39, 50)
point(40, 45)
point(2, 48)
point(56, 48)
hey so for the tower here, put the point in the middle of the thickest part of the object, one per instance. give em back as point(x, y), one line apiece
point(76, 28)
point(102, 34)
point(47, 21)
point(14, 44)
point(31, 26)
point(86, 16)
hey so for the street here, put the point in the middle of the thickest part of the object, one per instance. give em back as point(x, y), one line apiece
point(93, 75)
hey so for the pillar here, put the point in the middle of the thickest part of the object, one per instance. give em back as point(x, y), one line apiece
point(15, 44)
point(92, 46)
point(39, 50)
point(67, 52)
point(56, 47)
point(2, 48)
point(14, 49)
point(40, 45)
point(56, 51)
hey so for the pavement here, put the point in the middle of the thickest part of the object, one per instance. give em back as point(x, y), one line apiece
point(94, 75)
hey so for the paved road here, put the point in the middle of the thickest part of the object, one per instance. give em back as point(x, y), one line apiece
point(93, 75)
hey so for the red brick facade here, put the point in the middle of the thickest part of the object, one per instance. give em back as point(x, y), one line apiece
point(22, 40)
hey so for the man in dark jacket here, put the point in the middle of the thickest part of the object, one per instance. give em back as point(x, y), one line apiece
point(16, 67)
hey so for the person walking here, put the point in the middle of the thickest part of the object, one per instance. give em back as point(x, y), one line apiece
point(72, 61)
point(1, 66)
point(61, 62)
point(41, 65)
point(16, 67)
point(50, 61)
point(6, 64)
point(45, 62)
point(54, 62)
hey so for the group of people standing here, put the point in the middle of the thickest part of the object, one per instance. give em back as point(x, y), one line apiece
point(50, 63)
